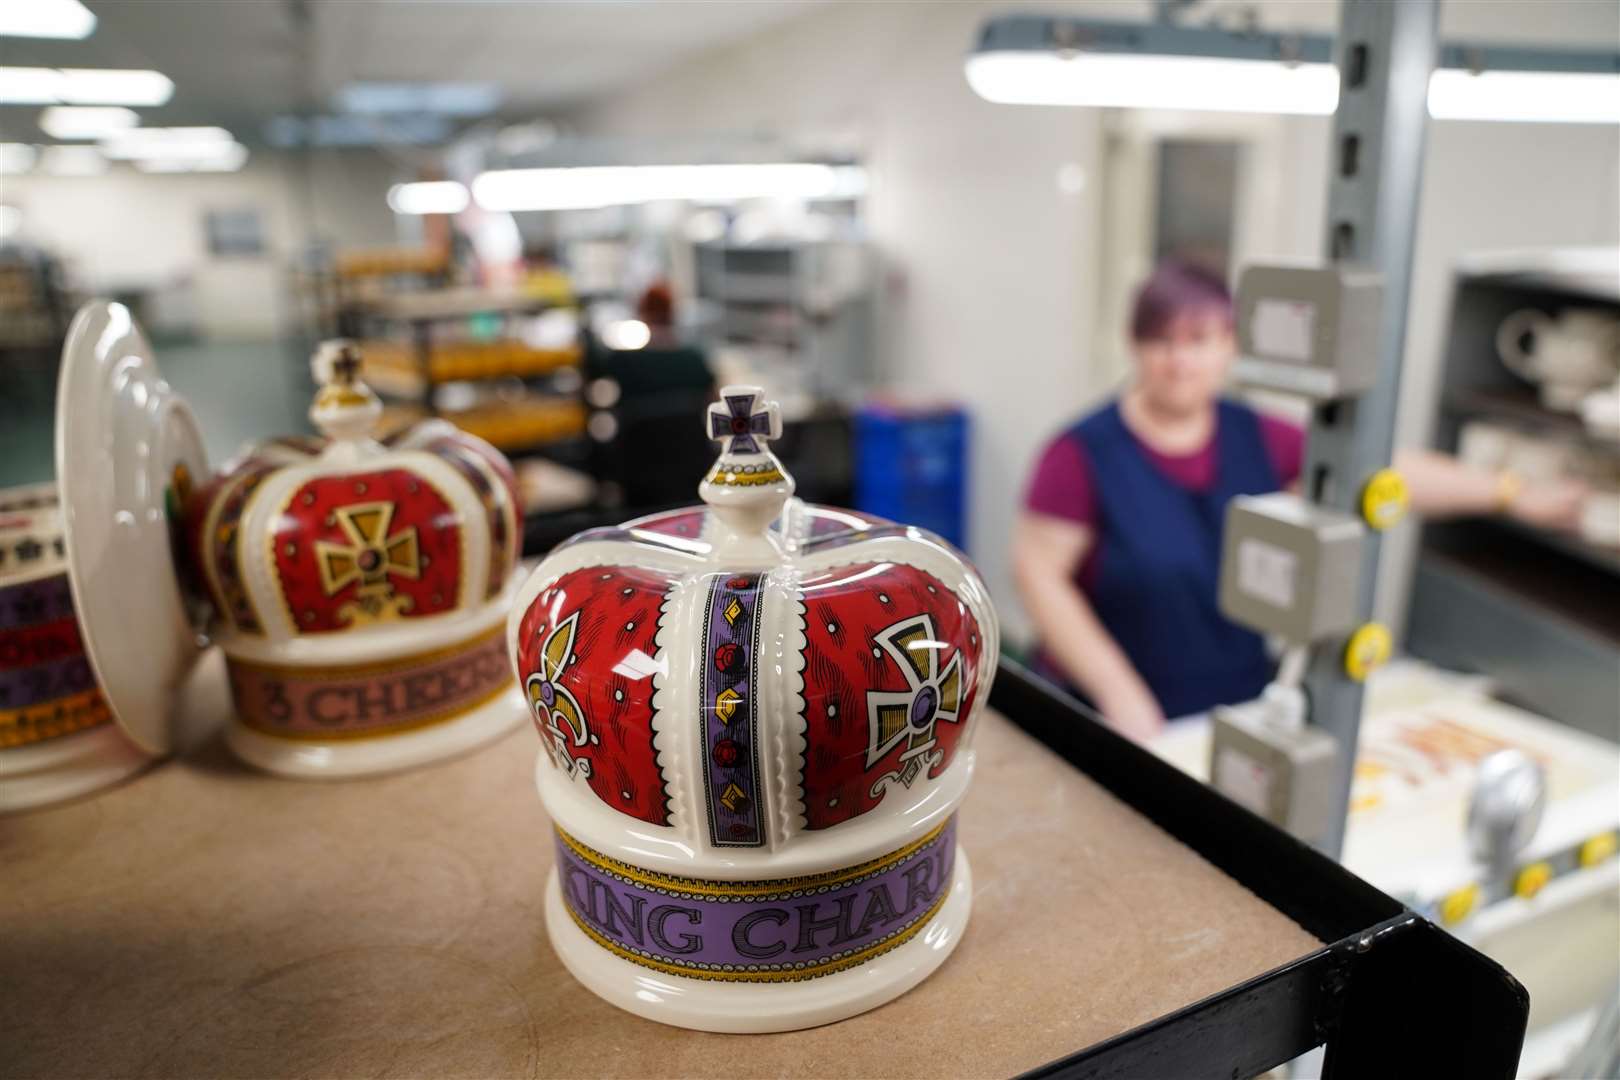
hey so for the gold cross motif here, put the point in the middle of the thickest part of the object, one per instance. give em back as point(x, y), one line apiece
point(370, 557)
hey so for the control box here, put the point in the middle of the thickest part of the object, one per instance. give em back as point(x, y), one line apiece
point(1286, 774)
point(1311, 331)
point(1289, 567)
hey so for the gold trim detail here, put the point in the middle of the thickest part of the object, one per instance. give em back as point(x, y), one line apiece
point(379, 667)
point(736, 478)
point(752, 889)
point(53, 719)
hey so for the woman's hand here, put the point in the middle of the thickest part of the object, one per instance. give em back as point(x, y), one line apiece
point(1550, 504)
point(1132, 710)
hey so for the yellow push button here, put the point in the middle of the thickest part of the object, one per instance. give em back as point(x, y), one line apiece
point(1368, 649)
point(1384, 499)
point(1456, 906)
point(1531, 879)
point(1596, 849)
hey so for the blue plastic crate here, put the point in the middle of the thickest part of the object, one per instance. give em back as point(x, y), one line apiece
point(911, 466)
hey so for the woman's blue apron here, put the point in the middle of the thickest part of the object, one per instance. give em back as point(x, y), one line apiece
point(1160, 560)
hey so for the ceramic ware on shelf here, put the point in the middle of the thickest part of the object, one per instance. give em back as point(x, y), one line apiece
point(1600, 412)
point(757, 721)
point(357, 589)
point(57, 736)
point(1566, 356)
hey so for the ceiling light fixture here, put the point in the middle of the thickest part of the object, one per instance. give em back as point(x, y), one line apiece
point(83, 86)
point(176, 142)
point(66, 19)
point(86, 121)
point(1043, 60)
point(1548, 97)
point(72, 161)
point(228, 158)
point(1105, 80)
point(592, 187)
point(16, 158)
point(429, 197)
point(444, 98)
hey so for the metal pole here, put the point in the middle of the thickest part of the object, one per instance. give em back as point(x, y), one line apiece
point(1386, 51)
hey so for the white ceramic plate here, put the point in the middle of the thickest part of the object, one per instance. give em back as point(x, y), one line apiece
point(122, 439)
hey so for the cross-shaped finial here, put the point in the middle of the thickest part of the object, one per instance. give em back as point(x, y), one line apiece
point(742, 421)
point(346, 365)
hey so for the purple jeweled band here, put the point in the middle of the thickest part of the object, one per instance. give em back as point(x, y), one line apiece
point(786, 930)
point(45, 599)
point(60, 678)
point(727, 714)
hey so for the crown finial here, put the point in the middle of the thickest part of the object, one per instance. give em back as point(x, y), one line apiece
point(344, 408)
point(748, 485)
point(742, 422)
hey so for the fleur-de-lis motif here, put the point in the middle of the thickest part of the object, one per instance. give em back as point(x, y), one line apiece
point(562, 723)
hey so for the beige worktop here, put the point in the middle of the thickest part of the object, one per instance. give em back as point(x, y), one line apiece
point(203, 919)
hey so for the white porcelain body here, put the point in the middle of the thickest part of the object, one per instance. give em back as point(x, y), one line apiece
point(757, 720)
point(54, 768)
point(67, 767)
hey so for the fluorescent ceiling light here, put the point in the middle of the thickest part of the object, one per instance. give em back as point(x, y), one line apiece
point(16, 158)
point(1221, 84)
point(428, 197)
point(86, 121)
point(1118, 80)
point(83, 86)
point(445, 98)
point(46, 19)
point(227, 158)
point(1544, 96)
point(173, 143)
point(620, 185)
point(72, 161)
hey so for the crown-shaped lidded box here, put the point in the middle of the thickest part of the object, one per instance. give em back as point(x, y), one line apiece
point(359, 588)
point(757, 719)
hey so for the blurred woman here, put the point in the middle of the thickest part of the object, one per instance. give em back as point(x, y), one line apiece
point(1117, 553)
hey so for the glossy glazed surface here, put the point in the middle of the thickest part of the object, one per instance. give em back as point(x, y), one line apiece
point(757, 722)
point(127, 454)
point(294, 540)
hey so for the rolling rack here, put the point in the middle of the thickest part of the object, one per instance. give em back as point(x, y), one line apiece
point(1390, 994)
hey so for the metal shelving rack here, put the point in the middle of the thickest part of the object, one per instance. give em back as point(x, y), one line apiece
point(1538, 611)
point(1390, 994)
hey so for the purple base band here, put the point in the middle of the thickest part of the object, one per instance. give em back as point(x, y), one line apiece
point(785, 930)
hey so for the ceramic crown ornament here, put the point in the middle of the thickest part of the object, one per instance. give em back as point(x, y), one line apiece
point(358, 589)
point(757, 722)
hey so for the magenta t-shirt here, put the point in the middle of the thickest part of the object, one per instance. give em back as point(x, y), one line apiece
point(1062, 486)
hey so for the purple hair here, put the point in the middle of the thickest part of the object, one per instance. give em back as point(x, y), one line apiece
point(1175, 289)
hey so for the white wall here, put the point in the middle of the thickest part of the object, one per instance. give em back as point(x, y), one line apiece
point(991, 262)
point(127, 230)
point(1001, 300)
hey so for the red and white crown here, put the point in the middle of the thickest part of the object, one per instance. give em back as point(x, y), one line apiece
point(754, 698)
point(358, 588)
